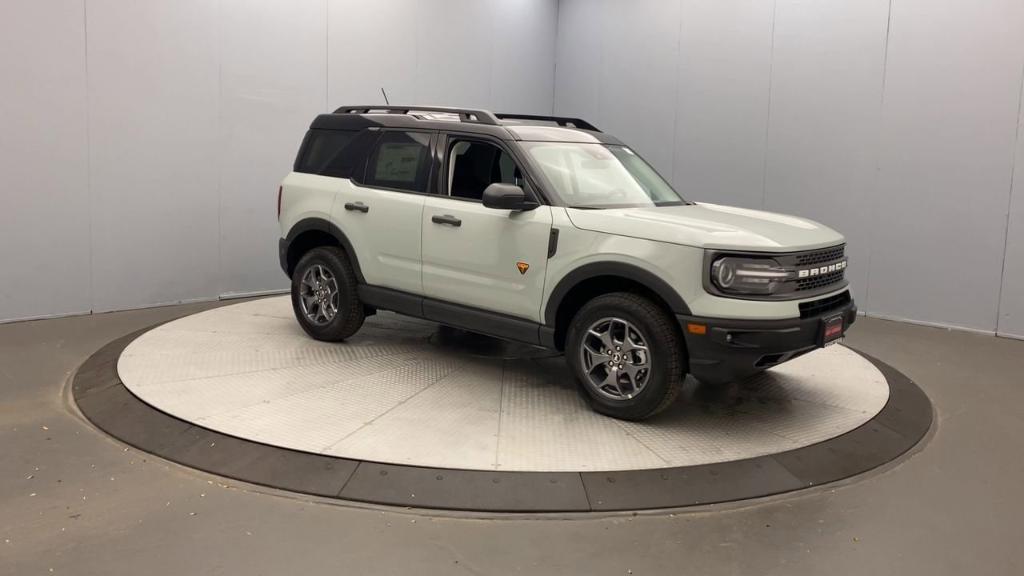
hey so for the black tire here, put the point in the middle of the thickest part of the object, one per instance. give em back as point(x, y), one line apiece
point(666, 363)
point(349, 316)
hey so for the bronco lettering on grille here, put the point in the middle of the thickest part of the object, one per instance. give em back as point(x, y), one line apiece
point(819, 270)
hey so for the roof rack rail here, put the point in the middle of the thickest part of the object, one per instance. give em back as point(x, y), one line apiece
point(465, 114)
point(560, 120)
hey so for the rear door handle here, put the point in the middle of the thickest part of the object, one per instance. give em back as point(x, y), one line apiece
point(446, 219)
point(357, 206)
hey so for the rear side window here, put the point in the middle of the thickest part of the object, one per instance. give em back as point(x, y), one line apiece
point(323, 148)
point(400, 161)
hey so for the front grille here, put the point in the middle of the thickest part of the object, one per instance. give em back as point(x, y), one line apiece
point(807, 273)
point(819, 307)
point(820, 256)
point(815, 282)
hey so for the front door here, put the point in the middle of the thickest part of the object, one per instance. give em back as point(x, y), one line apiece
point(476, 256)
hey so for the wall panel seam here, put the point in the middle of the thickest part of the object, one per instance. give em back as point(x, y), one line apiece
point(221, 279)
point(675, 96)
point(873, 190)
point(492, 27)
point(88, 155)
point(327, 56)
point(1009, 201)
point(554, 55)
point(768, 114)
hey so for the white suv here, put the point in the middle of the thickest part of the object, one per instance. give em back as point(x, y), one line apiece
point(545, 230)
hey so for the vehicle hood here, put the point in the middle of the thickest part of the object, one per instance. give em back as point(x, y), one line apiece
point(709, 226)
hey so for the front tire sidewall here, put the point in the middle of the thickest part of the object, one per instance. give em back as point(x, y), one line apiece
point(667, 369)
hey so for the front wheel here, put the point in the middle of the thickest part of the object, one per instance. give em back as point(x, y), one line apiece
point(628, 355)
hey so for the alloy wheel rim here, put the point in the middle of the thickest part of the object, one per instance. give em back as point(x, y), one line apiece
point(318, 295)
point(615, 358)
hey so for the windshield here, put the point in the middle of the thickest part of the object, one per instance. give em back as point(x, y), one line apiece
point(600, 176)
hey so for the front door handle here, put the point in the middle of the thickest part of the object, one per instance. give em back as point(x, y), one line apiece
point(446, 219)
point(357, 206)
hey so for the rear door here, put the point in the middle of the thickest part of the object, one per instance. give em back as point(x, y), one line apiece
point(476, 256)
point(380, 208)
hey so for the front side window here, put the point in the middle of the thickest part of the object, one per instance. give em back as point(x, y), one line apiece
point(587, 175)
point(474, 165)
point(400, 161)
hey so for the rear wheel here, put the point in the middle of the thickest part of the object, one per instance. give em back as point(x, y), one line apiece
point(627, 354)
point(324, 295)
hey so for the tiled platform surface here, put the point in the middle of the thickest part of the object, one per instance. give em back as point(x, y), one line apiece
point(399, 392)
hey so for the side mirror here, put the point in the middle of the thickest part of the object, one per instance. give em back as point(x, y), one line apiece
point(506, 197)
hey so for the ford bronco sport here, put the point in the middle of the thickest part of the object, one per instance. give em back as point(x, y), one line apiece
point(547, 231)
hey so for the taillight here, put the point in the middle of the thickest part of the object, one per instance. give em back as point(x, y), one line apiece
point(279, 188)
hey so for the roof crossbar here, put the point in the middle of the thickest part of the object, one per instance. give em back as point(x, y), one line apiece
point(464, 114)
point(559, 120)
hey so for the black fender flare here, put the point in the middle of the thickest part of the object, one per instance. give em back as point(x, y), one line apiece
point(621, 270)
point(322, 225)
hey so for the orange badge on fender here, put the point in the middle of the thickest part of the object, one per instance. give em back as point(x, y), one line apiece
point(523, 267)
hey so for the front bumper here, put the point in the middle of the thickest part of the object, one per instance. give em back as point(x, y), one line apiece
point(730, 350)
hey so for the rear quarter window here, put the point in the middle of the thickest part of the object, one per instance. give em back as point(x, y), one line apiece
point(323, 149)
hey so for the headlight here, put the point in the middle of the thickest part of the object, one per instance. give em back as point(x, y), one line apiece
point(736, 275)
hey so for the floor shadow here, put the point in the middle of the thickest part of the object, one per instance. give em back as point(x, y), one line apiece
point(459, 341)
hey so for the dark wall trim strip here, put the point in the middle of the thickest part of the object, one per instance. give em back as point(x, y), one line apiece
point(111, 407)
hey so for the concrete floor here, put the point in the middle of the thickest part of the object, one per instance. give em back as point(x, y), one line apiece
point(73, 501)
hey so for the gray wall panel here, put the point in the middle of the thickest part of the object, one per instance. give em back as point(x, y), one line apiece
point(273, 83)
point(1011, 306)
point(496, 55)
point(901, 137)
point(684, 83)
point(44, 223)
point(722, 105)
point(826, 93)
point(948, 129)
point(636, 80)
point(170, 158)
point(577, 57)
point(361, 59)
point(193, 113)
point(154, 154)
point(453, 52)
point(523, 56)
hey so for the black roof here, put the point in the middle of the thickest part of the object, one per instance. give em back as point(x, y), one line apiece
point(466, 120)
